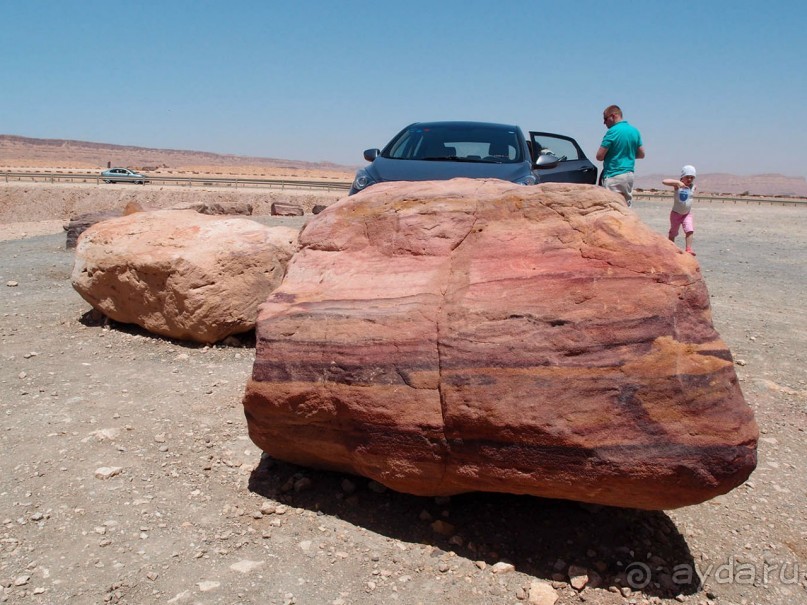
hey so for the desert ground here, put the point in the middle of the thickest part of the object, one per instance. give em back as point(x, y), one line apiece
point(127, 475)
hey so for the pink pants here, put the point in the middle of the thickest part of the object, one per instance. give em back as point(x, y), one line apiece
point(676, 220)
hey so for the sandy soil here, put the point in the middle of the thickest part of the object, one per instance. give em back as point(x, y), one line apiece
point(127, 475)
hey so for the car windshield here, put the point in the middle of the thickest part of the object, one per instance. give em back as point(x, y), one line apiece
point(457, 142)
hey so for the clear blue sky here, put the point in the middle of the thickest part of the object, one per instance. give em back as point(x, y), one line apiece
point(719, 84)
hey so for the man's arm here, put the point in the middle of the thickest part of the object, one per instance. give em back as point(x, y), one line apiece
point(640, 152)
point(601, 152)
point(672, 183)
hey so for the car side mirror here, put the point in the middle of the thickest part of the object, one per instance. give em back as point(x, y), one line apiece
point(371, 154)
point(546, 161)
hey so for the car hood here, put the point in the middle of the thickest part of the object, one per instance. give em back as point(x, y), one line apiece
point(385, 169)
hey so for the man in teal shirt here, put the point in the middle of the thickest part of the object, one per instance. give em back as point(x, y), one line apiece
point(620, 148)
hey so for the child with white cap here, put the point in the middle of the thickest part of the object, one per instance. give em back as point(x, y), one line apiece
point(682, 204)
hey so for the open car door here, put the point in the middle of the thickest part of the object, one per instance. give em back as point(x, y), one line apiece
point(573, 167)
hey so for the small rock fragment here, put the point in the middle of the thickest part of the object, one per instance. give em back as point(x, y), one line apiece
point(541, 593)
point(107, 472)
point(578, 577)
point(502, 567)
point(442, 528)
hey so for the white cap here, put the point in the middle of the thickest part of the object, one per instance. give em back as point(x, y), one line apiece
point(687, 171)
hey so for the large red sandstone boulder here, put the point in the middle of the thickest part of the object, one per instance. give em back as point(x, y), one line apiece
point(182, 274)
point(446, 337)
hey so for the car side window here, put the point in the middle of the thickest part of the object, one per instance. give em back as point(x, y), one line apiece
point(564, 149)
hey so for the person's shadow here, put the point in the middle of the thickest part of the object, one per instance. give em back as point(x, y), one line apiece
point(621, 548)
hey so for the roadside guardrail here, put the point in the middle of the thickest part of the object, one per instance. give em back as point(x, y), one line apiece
point(58, 177)
point(723, 199)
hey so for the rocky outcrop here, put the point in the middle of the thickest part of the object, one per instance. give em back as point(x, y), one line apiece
point(79, 224)
point(281, 209)
point(469, 335)
point(217, 208)
point(181, 274)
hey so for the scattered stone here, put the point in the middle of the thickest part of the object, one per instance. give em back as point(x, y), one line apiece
point(281, 209)
point(302, 484)
point(442, 527)
point(348, 486)
point(246, 566)
point(208, 585)
point(503, 567)
point(541, 593)
point(268, 508)
point(216, 208)
point(12, 284)
point(375, 486)
point(108, 434)
point(578, 577)
point(107, 472)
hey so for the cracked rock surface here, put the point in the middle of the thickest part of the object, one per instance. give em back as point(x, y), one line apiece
point(473, 335)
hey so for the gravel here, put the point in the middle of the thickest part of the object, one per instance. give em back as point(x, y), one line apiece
point(127, 474)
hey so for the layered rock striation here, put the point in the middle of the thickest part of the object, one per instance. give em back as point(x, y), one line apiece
point(467, 335)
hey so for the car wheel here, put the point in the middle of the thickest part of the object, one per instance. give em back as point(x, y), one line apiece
point(107, 181)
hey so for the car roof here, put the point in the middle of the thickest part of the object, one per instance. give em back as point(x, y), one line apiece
point(462, 123)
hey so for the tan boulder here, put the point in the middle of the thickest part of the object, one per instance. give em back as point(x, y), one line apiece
point(181, 274)
point(79, 224)
point(467, 335)
point(283, 209)
point(216, 208)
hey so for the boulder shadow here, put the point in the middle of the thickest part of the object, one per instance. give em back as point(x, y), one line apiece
point(95, 319)
point(624, 548)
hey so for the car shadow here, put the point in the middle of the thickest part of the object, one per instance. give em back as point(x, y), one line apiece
point(625, 548)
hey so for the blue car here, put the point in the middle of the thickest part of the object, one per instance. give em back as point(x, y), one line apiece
point(123, 175)
point(427, 151)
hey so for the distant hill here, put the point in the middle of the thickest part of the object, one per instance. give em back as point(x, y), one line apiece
point(18, 151)
point(757, 184)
